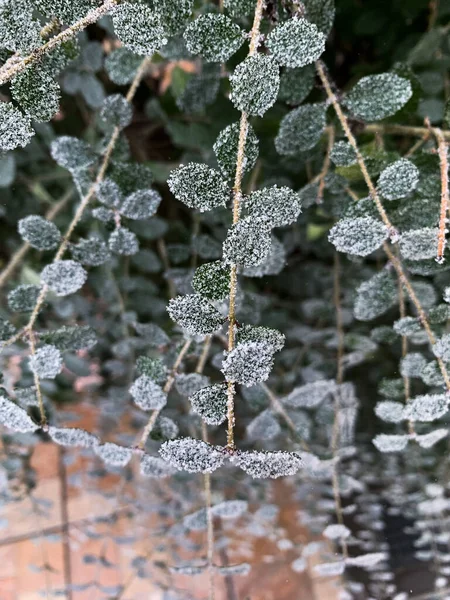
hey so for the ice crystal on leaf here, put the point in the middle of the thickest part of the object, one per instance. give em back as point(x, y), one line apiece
point(109, 193)
point(263, 427)
point(428, 440)
point(92, 252)
point(39, 233)
point(15, 128)
point(116, 111)
point(14, 417)
point(66, 11)
point(336, 532)
point(248, 363)
point(310, 395)
point(194, 456)
point(123, 241)
point(239, 8)
point(295, 84)
point(195, 314)
point(147, 394)
point(301, 129)
point(375, 296)
point(360, 236)
point(138, 28)
point(72, 436)
point(441, 348)
point(141, 204)
point(272, 265)
point(264, 465)
point(211, 403)
point(366, 561)
point(376, 97)
point(412, 364)
point(248, 242)
point(189, 383)
point(198, 186)
point(121, 65)
point(152, 367)
point(254, 84)
point(6, 330)
point(112, 454)
point(429, 407)
point(249, 333)
point(37, 92)
point(23, 298)
point(296, 43)
point(343, 154)
point(230, 509)
point(389, 411)
point(398, 180)
point(215, 36)
point(226, 147)
point(419, 244)
point(155, 467)
point(331, 569)
point(390, 443)
point(19, 32)
point(76, 337)
point(46, 362)
point(64, 277)
point(71, 153)
point(280, 205)
point(173, 14)
point(212, 280)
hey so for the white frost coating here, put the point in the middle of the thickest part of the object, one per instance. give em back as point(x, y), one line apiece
point(109, 193)
point(46, 362)
point(441, 348)
point(15, 128)
point(360, 236)
point(429, 407)
point(343, 154)
point(272, 265)
point(301, 129)
point(113, 454)
point(189, 383)
point(194, 456)
point(299, 565)
point(296, 43)
point(238, 569)
point(64, 277)
point(37, 92)
point(268, 335)
point(310, 395)
point(336, 532)
point(254, 84)
point(198, 186)
point(211, 403)
point(72, 436)
point(116, 111)
point(263, 465)
point(215, 36)
point(138, 28)
point(124, 242)
point(71, 153)
point(248, 242)
point(196, 521)
point(389, 411)
point(280, 205)
point(14, 417)
point(141, 204)
point(155, 467)
point(38, 232)
point(195, 314)
point(147, 394)
point(428, 440)
point(121, 65)
point(376, 296)
point(366, 560)
point(226, 147)
point(263, 427)
point(390, 443)
point(419, 244)
point(412, 364)
point(248, 363)
point(376, 97)
point(398, 180)
point(230, 509)
point(331, 569)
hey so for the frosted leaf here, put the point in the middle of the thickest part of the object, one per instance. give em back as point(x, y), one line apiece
point(121, 65)
point(215, 36)
point(188, 569)
point(376, 97)
point(239, 8)
point(230, 509)
point(155, 467)
point(66, 12)
point(18, 30)
point(428, 440)
point(147, 394)
point(188, 384)
point(37, 92)
point(71, 153)
point(310, 395)
point(360, 236)
point(419, 244)
point(301, 129)
point(123, 241)
point(412, 364)
point(6, 330)
point(23, 298)
point(112, 454)
point(296, 43)
point(248, 242)
point(431, 374)
point(263, 427)
point(7, 169)
point(250, 333)
point(15, 128)
point(152, 367)
point(72, 338)
point(109, 193)
point(441, 348)
point(27, 396)
point(39, 233)
point(92, 252)
point(407, 326)
point(299, 565)
point(198, 186)
point(280, 205)
point(254, 84)
point(14, 417)
point(226, 147)
point(248, 363)
point(320, 12)
point(295, 84)
point(331, 569)
point(212, 280)
point(211, 403)
point(263, 465)
point(272, 265)
point(141, 204)
point(429, 407)
point(131, 176)
point(336, 532)
point(154, 335)
point(375, 296)
point(194, 456)
point(116, 111)
point(138, 28)
point(343, 154)
point(105, 215)
point(46, 362)
point(238, 569)
point(390, 443)
point(196, 521)
point(398, 180)
point(64, 277)
point(195, 314)
point(72, 436)
point(165, 429)
point(173, 13)
point(389, 411)
point(366, 560)
point(201, 89)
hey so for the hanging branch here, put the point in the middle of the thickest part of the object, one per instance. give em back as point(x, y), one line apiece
point(443, 218)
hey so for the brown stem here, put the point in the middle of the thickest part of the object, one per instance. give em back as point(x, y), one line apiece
point(443, 220)
point(406, 130)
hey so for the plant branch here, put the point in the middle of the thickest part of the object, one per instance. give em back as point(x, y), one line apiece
point(443, 219)
point(406, 130)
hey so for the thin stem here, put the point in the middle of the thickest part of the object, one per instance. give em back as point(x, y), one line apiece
point(37, 382)
point(406, 130)
point(443, 220)
point(326, 163)
point(339, 319)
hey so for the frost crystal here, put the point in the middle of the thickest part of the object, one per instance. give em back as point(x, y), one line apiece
point(310, 395)
point(141, 204)
point(109, 193)
point(147, 394)
point(390, 443)
point(173, 13)
point(198, 186)
point(263, 427)
point(389, 411)
point(211, 403)
point(6, 330)
point(254, 84)
point(116, 111)
point(188, 384)
point(64, 277)
point(70, 338)
point(92, 252)
point(248, 242)
point(214, 36)
point(428, 440)
point(138, 28)
point(263, 465)
point(419, 244)
point(272, 265)
point(398, 180)
point(412, 364)
point(226, 147)
point(301, 129)
point(123, 241)
point(15, 127)
point(212, 280)
point(248, 363)
point(37, 92)
point(376, 296)
point(195, 314)
point(230, 509)
point(14, 417)
point(23, 298)
point(115, 455)
point(296, 43)
point(366, 560)
point(121, 65)
point(72, 436)
point(152, 367)
point(47, 362)
point(280, 205)
point(39, 233)
point(71, 153)
point(154, 467)
point(249, 333)
point(360, 236)
point(429, 407)
point(441, 348)
point(18, 30)
point(336, 532)
point(194, 456)
point(376, 97)
point(343, 154)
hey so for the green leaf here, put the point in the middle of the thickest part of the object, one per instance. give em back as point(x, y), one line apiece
point(301, 129)
point(214, 36)
point(376, 97)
